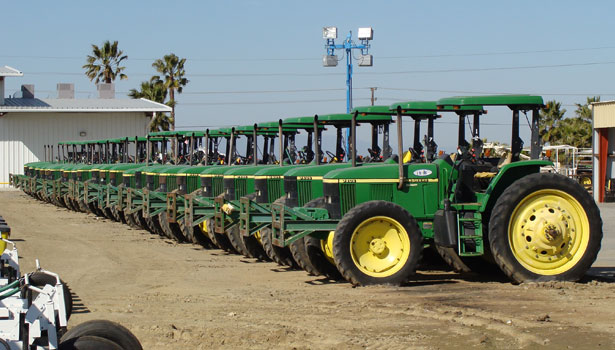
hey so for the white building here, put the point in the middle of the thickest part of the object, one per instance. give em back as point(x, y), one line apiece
point(28, 123)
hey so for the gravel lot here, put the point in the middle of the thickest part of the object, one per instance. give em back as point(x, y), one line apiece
point(180, 296)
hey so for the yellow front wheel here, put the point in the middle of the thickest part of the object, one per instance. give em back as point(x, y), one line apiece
point(377, 242)
point(545, 227)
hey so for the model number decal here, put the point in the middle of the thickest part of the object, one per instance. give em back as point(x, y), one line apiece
point(348, 181)
point(422, 172)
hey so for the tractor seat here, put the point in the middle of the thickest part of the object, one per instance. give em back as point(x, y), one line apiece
point(506, 159)
point(485, 175)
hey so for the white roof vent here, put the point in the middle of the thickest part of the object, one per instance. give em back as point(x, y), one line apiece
point(66, 90)
point(106, 91)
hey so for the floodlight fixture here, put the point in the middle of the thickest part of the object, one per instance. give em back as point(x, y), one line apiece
point(329, 32)
point(366, 61)
point(366, 33)
point(329, 60)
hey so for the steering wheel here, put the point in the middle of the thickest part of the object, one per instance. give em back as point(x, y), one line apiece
point(330, 154)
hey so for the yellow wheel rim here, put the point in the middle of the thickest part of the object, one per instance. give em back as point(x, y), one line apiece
point(380, 246)
point(327, 247)
point(548, 232)
point(5, 235)
point(257, 235)
point(203, 227)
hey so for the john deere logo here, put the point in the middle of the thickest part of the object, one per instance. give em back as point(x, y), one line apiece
point(422, 172)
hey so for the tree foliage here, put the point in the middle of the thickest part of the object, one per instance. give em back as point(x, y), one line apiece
point(104, 63)
point(550, 118)
point(173, 76)
point(555, 129)
point(154, 90)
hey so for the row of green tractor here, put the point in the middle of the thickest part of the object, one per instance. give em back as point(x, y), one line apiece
point(367, 220)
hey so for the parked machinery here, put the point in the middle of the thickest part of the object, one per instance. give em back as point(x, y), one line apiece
point(536, 226)
point(367, 220)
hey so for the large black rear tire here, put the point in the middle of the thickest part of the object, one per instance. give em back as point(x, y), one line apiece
point(237, 241)
point(545, 227)
point(221, 238)
point(279, 255)
point(171, 229)
point(310, 262)
point(318, 258)
point(196, 236)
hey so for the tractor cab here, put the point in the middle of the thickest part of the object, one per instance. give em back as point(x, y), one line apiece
point(477, 167)
point(379, 117)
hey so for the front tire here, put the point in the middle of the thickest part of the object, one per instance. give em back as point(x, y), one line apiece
point(545, 227)
point(377, 242)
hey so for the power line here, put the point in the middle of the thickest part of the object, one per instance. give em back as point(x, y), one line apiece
point(225, 92)
point(481, 92)
point(457, 70)
point(253, 59)
point(426, 71)
point(261, 102)
point(496, 92)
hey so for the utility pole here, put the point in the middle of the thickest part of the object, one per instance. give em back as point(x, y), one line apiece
point(365, 59)
point(373, 98)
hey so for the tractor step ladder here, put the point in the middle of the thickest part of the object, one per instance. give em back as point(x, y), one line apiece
point(471, 243)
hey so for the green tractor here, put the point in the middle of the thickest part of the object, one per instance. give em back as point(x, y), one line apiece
point(276, 185)
point(201, 206)
point(536, 226)
point(241, 182)
point(304, 188)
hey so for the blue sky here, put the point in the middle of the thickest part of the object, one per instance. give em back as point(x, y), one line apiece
point(423, 50)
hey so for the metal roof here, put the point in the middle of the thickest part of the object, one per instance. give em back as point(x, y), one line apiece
point(81, 105)
point(7, 71)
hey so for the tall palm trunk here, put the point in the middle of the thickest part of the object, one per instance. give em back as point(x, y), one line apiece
point(172, 98)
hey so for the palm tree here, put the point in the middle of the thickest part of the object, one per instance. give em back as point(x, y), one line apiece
point(104, 63)
point(551, 116)
point(583, 111)
point(153, 90)
point(172, 67)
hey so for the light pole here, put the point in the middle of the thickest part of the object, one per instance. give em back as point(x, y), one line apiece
point(365, 59)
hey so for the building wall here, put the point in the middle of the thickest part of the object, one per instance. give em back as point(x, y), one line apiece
point(604, 114)
point(23, 135)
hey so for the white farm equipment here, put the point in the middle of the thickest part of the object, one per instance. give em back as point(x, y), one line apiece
point(35, 308)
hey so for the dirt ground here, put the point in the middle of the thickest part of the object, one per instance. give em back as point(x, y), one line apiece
point(180, 296)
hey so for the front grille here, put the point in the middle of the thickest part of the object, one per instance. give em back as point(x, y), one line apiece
point(217, 184)
point(274, 189)
point(347, 197)
point(192, 183)
point(304, 188)
point(241, 188)
point(171, 183)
